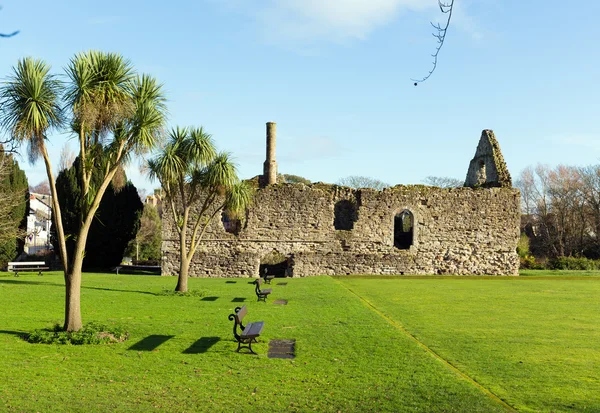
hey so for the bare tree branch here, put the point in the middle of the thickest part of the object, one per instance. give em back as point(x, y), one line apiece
point(440, 35)
point(362, 182)
point(10, 34)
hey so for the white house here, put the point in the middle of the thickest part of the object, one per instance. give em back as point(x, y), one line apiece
point(39, 222)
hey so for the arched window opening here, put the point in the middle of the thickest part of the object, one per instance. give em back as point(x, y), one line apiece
point(344, 215)
point(403, 230)
point(481, 173)
point(230, 222)
point(275, 264)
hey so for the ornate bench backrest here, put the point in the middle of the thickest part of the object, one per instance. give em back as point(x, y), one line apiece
point(258, 282)
point(237, 317)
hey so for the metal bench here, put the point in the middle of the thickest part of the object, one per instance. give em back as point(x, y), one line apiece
point(27, 266)
point(267, 277)
point(261, 294)
point(248, 333)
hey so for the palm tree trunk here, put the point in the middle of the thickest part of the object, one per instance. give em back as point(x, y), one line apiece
point(56, 214)
point(182, 280)
point(184, 259)
point(73, 281)
point(73, 277)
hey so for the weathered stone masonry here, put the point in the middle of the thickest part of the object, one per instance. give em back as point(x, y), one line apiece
point(454, 231)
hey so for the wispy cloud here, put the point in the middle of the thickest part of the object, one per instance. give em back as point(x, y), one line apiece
point(337, 20)
point(465, 22)
point(293, 150)
point(304, 21)
point(589, 141)
point(103, 20)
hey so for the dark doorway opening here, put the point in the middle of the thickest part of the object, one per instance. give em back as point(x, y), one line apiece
point(275, 264)
point(403, 230)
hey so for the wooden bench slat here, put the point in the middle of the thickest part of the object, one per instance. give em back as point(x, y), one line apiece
point(241, 314)
point(253, 329)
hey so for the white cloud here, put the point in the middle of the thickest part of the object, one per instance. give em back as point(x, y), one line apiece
point(339, 19)
point(310, 148)
point(336, 20)
point(465, 22)
point(302, 21)
point(588, 141)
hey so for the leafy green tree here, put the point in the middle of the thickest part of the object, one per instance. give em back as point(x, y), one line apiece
point(292, 179)
point(13, 207)
point(146, 246)
point(114, 113)
point(116, 222)
point(198, 185)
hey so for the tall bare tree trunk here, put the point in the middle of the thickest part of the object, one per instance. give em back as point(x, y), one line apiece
point(56, 214)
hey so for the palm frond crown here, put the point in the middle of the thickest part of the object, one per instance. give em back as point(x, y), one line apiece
point(30, 102)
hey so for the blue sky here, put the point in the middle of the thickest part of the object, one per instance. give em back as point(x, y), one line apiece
point(335, 76)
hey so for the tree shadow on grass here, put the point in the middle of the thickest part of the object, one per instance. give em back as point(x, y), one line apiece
point(150, 343)
point(20, 334)
point(202, 345)
point(19, 281)
point(119, 291)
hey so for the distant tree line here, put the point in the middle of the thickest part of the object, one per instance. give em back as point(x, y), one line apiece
point(561, 210)
point(13, 208)
point(356, 181)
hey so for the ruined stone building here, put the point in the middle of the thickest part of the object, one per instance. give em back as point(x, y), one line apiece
point(303, 230)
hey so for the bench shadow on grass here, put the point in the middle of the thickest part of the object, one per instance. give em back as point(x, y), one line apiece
point(238, 300)
point(209, 299)
point(202, 345)
point(17, 280)
point(150, 343)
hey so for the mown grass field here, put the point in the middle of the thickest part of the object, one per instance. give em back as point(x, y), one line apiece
point(362, 344)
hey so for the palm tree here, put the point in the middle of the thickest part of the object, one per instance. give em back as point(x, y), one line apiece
point(30, 102)
point(191, 174)
point(115, 115)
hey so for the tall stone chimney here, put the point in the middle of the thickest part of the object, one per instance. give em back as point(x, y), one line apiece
point(270, 166)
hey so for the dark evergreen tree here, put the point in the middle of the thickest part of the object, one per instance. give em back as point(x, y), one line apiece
point(115, 224)
point(14, 208)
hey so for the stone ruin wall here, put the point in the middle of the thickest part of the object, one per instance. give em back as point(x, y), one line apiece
point(459, 231)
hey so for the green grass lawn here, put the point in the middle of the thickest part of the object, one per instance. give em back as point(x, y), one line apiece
point(532, 342)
